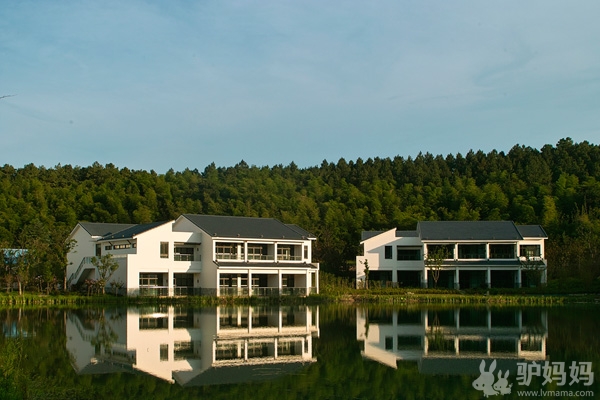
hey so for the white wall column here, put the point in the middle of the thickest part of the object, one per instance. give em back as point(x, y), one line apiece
point(457, 279)
point(519, 278)
point(170, 283)
point(488, 278)
point(249, 282)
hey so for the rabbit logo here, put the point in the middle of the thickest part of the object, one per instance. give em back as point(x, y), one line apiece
point(485, 381)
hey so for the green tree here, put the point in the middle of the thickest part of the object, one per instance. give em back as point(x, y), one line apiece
point(434, 260)
point(106, 266)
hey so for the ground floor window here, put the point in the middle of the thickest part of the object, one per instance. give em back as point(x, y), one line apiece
point(185, 280)
point(148, 279)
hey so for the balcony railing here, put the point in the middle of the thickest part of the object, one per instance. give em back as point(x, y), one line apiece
point(265, 291)
point(282, 257)
point(183, 257)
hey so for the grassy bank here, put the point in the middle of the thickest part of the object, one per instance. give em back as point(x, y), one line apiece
point(381, 296)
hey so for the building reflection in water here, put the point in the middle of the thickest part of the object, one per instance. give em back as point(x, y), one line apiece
point(194, 347)
point(453, 341)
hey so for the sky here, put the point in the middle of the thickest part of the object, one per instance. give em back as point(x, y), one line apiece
point(178, 84)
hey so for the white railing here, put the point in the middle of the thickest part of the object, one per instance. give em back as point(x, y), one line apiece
point(84, 261)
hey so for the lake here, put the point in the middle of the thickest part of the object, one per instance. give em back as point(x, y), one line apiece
point(300, 352)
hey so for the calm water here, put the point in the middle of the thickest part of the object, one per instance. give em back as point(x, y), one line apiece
point(326, 352)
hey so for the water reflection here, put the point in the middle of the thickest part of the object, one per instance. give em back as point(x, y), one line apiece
point(193, 347)
point(452, 341)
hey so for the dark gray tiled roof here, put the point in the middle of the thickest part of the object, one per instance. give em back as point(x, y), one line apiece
point(103, 229)
point(301, 231)
point(407, 234)
point(468, 230)
point(369, 234)
point(529, 231)
point(244, 227)
point(130, 232)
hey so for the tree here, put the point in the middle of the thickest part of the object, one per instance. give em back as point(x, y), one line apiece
point(106, 266)
point(366, 269)
point(436, 254)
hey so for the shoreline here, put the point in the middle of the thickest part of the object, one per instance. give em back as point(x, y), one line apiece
point(371, 298)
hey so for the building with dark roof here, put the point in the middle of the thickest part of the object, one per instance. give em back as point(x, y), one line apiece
point(198, 254)
point(455, 254)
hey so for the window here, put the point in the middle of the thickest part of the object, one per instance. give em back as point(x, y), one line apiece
point(530, 250)
point(164, 249)
point(164, 352)
point(148, 280)
point(471, 251)
point(447, 249)
point(182, 253)
point(186, 350)
point(121, 246)
point(257, 252)
point(286, 253)
point(404, 254)
point(107, 247)
point(505, 251)
point(153, 323)
point(226, 251)
point(306, 252)
point(388, 252)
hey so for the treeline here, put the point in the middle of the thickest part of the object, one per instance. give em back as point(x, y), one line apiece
point(556, 186)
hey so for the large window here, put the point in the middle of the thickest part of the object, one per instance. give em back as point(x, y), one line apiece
point(471, 251)
point(502, 251)
point(226, 251)
point(148, 280)
point(446, 249)
point(257, 252)
point(183, 253)
point(186, 350)
point(407, 254)
point(164, 249)
point(530, 250)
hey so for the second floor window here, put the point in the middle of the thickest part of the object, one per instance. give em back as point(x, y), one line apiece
point(226, 251)
point(388, 252)
point(530, 250)
point(164, 249)
point(404, 254)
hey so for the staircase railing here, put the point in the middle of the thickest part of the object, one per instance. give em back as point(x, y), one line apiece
point(84, 261)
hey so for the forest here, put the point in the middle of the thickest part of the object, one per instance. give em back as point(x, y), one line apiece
point(557, 186)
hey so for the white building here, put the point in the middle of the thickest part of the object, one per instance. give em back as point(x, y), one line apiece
point(198, 254)
point(479, 254)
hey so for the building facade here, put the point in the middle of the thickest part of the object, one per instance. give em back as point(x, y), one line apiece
point(455, 254)
point(198, 254)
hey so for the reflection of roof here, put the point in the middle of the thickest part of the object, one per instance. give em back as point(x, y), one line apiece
point(240, 373)
point(455, 365)
point(247, 227)
point(106, 367)
point(130, 232)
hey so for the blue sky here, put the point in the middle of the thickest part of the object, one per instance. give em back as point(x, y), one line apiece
point(181, 84)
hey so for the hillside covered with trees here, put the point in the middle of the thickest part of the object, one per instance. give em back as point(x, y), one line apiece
point(555, 186)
